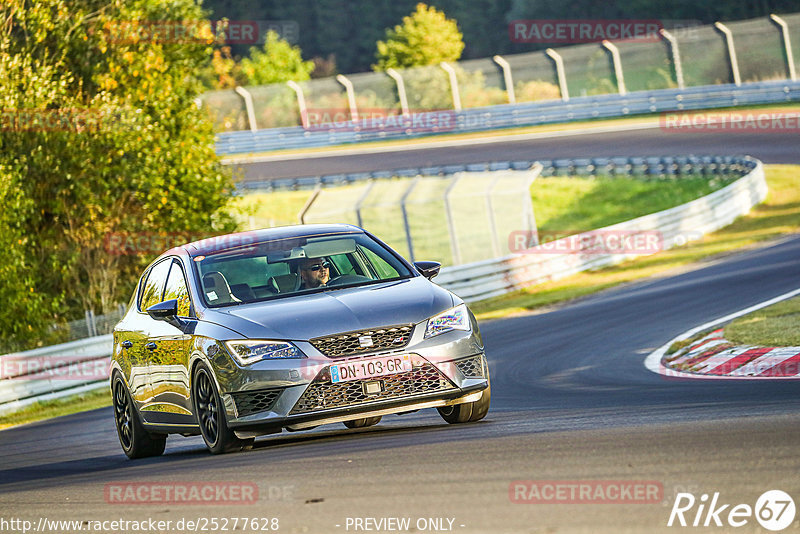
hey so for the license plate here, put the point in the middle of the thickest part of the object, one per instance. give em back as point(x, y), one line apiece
point(358, 369)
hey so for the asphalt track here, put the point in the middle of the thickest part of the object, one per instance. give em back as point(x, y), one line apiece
point(768, 146)
point(571, 400)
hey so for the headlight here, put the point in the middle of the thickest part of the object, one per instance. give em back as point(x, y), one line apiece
point(453, 319)
point(248, 351)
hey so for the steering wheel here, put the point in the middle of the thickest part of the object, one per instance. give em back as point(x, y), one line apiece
point(347, 279)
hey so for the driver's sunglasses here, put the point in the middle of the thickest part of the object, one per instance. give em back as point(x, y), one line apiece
point(317, 266)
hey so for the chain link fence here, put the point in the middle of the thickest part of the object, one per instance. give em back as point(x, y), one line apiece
point(701, 54)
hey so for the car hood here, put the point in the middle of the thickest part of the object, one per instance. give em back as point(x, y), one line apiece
point(342, 310)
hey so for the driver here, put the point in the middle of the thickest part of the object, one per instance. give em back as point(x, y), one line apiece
point(314, 272)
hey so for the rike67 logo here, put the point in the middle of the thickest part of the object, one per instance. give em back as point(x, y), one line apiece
point(774, 510)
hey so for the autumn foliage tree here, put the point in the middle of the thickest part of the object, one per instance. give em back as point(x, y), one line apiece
point(99, 136)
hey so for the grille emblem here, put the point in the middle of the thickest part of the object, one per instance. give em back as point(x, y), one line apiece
point(365, 341)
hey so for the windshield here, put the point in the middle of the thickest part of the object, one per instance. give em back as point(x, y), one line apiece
point(288, 267)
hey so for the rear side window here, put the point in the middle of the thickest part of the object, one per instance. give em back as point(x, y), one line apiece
point(176, 289)
point(153, 288)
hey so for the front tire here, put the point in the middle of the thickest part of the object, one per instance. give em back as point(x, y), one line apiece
point(469, 411)
point(211, 415)
point(136, 442)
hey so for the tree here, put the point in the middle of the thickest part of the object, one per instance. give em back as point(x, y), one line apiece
point(278, 62)
point(100, 136)
point(426, 37)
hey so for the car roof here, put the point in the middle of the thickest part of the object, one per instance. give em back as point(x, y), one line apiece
point(239, 239)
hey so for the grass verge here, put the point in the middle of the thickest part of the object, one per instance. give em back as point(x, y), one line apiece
point(54, 408)
point(773, 326)
point(778, 216)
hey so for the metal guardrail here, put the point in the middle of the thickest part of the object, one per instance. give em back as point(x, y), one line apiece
point(473, 281)
point(676, 226)
point(526, 114)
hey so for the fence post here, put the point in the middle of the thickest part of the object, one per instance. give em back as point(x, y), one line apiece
point(301, 102)
point(490, 216)
point(507, 78)
point(450, 223)
point(451, 72)
point(676, 57)
point(615, 59)
point(361, 200)
point(91, 327)
point(562, 78)
point(351, 96)
point(248, 104)
point(401, 90)
point(787, 45)
point(409, 240)
point(731, 52)
point(308, 204)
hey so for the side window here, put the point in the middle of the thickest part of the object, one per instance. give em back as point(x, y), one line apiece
point(154, 285)
point(176, 289)
point(384, 269)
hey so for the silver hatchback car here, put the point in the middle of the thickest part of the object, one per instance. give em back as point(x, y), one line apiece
point(247, 334)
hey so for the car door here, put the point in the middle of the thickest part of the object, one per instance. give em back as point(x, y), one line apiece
point(137, 337)
point(168, 344)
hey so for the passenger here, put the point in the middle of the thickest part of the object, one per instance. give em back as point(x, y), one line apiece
point(314, 272)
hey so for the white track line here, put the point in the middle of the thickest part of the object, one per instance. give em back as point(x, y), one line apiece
point(653, 361)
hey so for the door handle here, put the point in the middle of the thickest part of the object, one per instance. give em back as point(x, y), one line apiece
point(126, 344)
point(151, 346)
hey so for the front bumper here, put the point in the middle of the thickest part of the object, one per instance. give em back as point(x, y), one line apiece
point(297, 394)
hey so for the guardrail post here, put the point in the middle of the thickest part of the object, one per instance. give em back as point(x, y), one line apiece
point(451, 72)
point(536, 171)
point(562, 77)
point(401, 90)
point(787, 45)
point(351, 96)
point(507, 78)
point(676, 56)
point(731, 52)
point(301, 102)
point(450, 223)
point(407, 227)
point(248, 104)
point(615, 59)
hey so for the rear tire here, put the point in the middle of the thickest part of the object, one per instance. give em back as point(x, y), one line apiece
point(363, 422)
point(136, 442)
point(211, 415)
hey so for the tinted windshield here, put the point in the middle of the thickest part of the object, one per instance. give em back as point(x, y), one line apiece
point(288, 267)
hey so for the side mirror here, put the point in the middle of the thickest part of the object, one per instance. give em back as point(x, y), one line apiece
point(428, 269)
point(164, 310)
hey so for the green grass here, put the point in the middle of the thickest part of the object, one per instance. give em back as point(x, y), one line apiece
point(45, 410)
point(774, 326)
point(778, 216)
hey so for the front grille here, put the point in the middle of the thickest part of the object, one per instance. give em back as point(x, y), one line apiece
point(250, 402)
point(352, 343)
point(471, 367)
point(323, 394)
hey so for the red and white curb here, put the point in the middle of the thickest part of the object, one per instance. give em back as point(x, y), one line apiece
point(715, 357)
